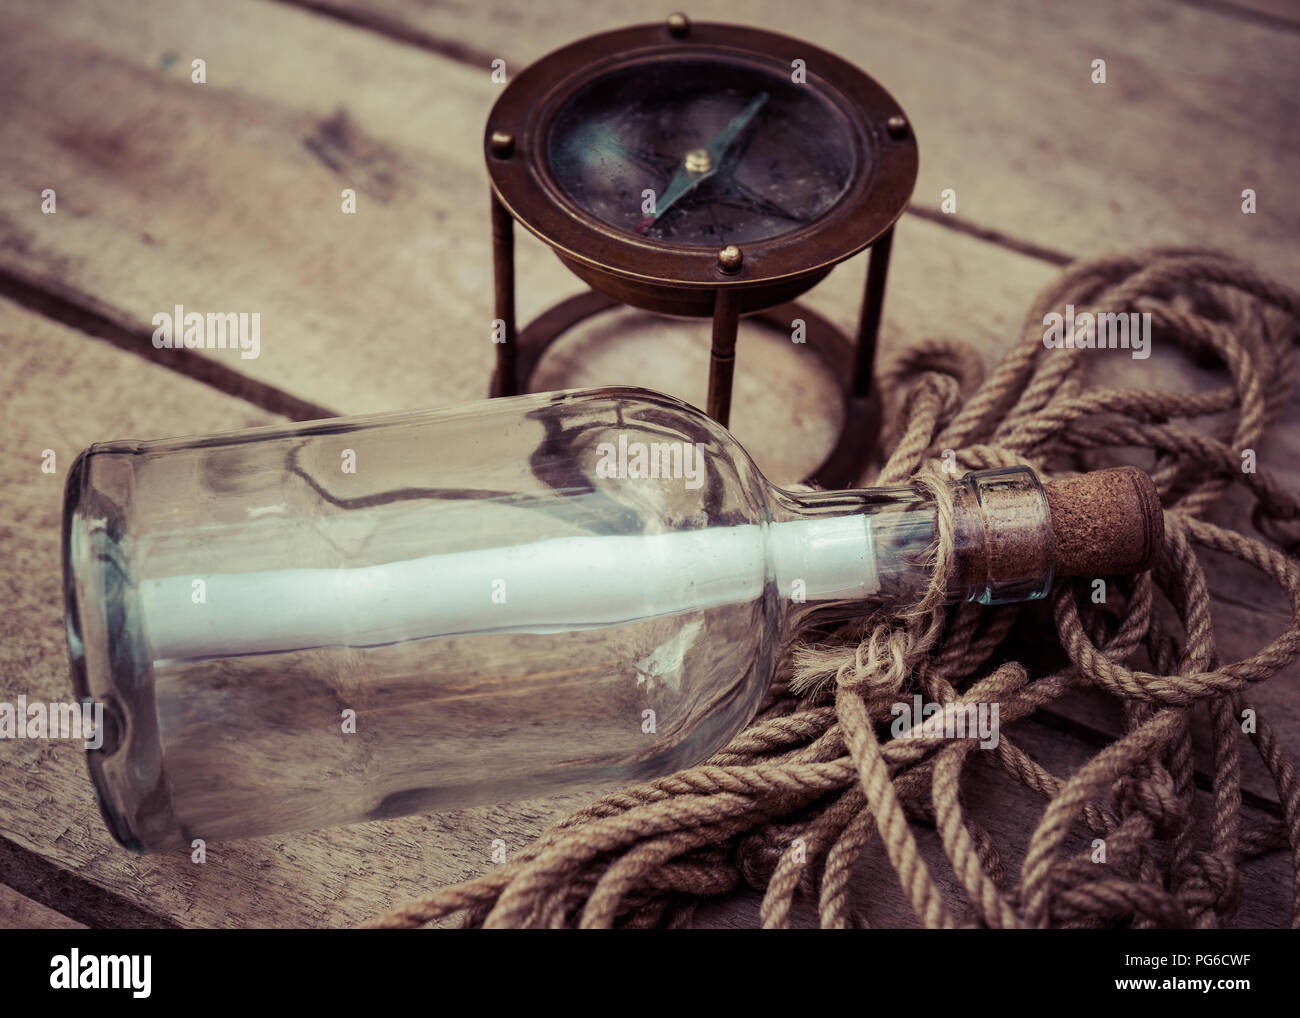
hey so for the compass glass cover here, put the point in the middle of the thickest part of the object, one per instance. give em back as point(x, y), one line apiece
point(701, 152)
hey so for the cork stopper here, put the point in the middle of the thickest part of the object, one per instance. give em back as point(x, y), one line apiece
point(1105, 522)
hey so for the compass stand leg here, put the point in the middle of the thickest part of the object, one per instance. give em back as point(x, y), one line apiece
point(873, 301)
point(722, 359)
point(503, 271)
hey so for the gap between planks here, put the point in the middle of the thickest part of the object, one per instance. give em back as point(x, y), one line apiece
point(79, 310)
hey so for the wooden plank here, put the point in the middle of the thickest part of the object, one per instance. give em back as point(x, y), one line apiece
point(281, 119)
point(1195, 108)
point(388, 308)
point(1279, 15)
point(236, 206)
point(19, 913)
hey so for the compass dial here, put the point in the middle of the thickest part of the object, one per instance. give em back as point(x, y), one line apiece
point(701, 152)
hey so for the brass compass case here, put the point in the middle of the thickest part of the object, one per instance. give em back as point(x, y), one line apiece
point(765, 161)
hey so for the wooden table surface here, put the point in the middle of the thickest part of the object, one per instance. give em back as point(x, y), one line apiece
point(226, 195)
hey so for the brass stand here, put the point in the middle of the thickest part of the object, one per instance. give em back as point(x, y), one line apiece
point(852, 363)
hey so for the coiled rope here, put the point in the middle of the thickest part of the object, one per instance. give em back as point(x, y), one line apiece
point(811, 770)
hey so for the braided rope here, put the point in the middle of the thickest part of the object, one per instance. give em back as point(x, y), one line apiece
point(793, 802)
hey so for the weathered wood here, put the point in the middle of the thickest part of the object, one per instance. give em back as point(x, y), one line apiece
point(226, 196)
point(19, 913)
point(1280, 15)
point(391, 307)
point(1193, 110)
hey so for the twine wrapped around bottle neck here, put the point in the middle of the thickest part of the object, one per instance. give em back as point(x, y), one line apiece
point(793, 801)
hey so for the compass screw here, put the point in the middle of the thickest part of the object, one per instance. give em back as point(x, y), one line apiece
point(897, 126)
point(503, 144)
point(730, 259)
point(698, 160)
point(678, 25)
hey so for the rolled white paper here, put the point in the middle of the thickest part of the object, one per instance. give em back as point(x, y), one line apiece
point(546, 586)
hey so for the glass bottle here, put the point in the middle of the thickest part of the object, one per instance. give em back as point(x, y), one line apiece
point(347, 620)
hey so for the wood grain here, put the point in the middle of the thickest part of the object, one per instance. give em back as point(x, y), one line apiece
point(1195, 107)
point(389, 308)
point(19, 913)
point(225, 196)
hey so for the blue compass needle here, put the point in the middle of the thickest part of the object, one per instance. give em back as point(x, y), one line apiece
point(702, 163)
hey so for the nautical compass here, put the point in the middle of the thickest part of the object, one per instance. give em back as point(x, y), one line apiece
point(702, 170)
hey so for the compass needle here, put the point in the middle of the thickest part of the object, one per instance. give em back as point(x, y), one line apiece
point(701, 164)
point(718, 147)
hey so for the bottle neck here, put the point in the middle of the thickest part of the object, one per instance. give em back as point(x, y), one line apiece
point(837, 555)
point(824, 556)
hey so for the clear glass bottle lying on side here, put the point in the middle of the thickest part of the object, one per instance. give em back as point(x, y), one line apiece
point(356, 619)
